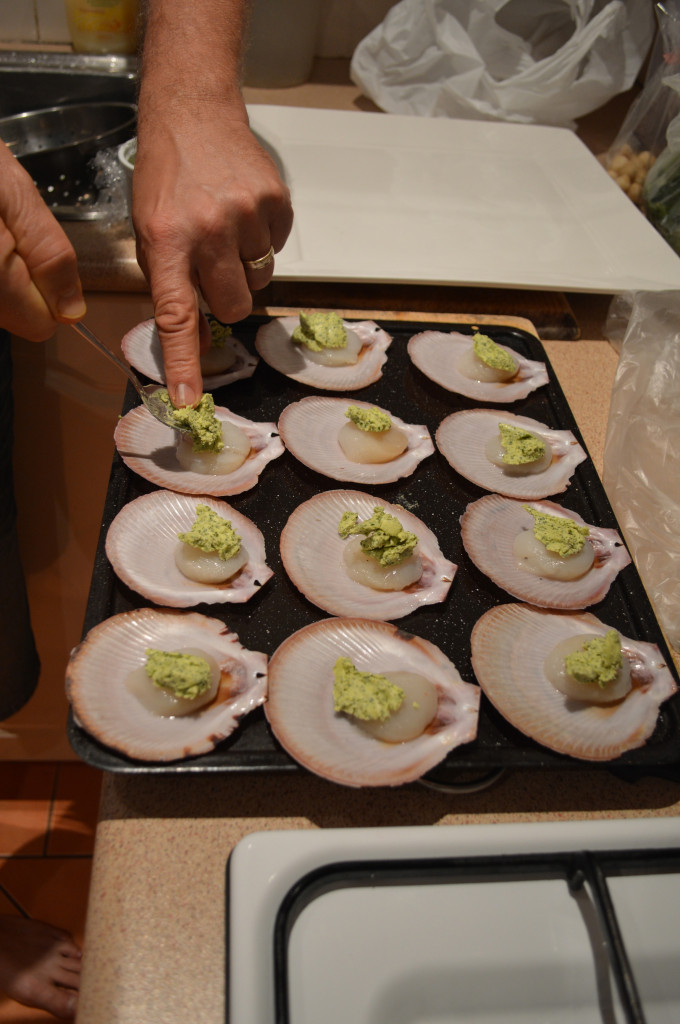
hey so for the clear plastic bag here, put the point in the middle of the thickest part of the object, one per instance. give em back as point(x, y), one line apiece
point(642, 136)
point(642, 448)
point(527, 61)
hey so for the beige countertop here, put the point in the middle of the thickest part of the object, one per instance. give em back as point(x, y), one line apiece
point(155, 938)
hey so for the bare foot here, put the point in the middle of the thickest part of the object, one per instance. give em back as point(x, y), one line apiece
point(39, 965)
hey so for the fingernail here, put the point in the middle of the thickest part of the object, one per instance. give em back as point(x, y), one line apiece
point(184, 395)
point(71, 306)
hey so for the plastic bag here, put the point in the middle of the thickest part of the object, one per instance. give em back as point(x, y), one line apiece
point(529, 61)
point(642, 135)
point(642, 447)
point(661, 190)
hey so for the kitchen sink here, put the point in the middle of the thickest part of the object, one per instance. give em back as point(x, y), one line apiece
point(31, 80)
point(74, 96)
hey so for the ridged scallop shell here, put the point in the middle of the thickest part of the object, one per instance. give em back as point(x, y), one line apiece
point(462, 438)
point(142, 348)
point(509, 646)
point(273, 342)
point(141, 542)
point(300, 703)
point(102, 704)
point(489, 527)
point(310, 427)
point(312, 550)
point(437, 355)
point(147, 446)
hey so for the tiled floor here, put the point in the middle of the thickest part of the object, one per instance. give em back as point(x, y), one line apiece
point(48, 815)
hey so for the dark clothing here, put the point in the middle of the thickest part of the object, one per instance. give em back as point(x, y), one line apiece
point(19, 664)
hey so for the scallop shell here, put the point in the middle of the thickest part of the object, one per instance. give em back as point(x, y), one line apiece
point(509, 646)
point(141, 541)
point(309, 429)
point(102, 704)
point(142, 349)
point(273, 342)
point(462, 438)
point(300, 703)
point(147, 446)
point(312, 550)
point(489, 527)
point(437, 354)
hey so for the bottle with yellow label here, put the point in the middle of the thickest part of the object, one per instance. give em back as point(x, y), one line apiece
point(103, 26)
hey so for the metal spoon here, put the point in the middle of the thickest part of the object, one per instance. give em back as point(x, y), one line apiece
point(149, 393)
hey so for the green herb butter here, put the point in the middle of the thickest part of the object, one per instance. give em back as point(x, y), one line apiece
point(218, 332)
point(320, 330)
point(374, 420)
point(491, 354)
point(206, 429)
point(184, 675)
point(365, 695)
point(520, 445)
point(598, 662)
point(562, 536)
point(384, 537)
point(212, 533)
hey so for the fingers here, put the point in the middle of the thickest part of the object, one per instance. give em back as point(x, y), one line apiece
point(178, 322)
point(202, 204)
point(39, 283)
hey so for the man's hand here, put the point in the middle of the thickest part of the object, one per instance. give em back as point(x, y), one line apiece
point(39, 283)
point(206, 198)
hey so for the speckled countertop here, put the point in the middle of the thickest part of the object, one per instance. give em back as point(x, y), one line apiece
point(155, 938)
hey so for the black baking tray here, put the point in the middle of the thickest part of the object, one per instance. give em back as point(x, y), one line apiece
point(439, 496)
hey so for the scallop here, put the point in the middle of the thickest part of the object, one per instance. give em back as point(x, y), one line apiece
point(462, 438)
point(300, 703)
point(99, 668)
point(510, 644)
point(444, 358)
point(490, 528)
point(142, 349)
point(142, 540)
point(310, 428)
point(273, 342)
point(312, 553)
point(149, 448)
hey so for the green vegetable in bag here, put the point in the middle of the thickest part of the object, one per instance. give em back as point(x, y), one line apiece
point(661, 192)
point(661, 196)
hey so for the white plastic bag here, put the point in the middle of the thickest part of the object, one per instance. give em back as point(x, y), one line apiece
point(642, 448)
point(529, 61)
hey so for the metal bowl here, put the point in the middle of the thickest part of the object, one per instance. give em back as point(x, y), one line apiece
point(55, 144)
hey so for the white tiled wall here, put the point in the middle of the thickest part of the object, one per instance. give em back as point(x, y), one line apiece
point(342, 23)
point(33, 21)
point(51, 16)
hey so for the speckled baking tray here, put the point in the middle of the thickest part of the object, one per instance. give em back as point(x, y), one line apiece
point(437, 495)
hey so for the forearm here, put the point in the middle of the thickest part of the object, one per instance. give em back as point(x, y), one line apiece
point(207, 198)
point(192, 55)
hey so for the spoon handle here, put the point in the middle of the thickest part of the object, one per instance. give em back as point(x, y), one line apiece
point(86, 333)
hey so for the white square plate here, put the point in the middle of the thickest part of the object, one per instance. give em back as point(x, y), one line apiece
point(387, 198)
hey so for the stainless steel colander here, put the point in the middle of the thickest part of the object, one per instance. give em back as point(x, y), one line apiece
point(56, 144)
